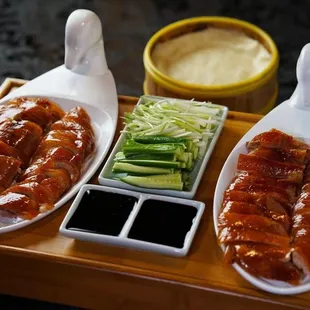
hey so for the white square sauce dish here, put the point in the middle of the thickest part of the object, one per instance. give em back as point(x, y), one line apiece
point(135, 220)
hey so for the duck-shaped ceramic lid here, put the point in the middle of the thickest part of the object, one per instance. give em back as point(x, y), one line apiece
point(301, 96)
point(83, 80)
point(84, 52)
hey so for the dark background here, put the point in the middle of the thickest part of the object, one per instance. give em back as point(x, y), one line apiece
point(32, 36)
point(32, 32)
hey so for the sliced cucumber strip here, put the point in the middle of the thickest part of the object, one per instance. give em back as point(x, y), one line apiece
point(120, 167)
point(158, 139)
point(152, 163)
point(158, 182)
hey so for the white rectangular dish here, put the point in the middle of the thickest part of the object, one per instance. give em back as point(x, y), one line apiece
point(106, 175)
point(123, 237)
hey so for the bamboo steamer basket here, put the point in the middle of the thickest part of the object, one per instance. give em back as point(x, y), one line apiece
point(257, 94)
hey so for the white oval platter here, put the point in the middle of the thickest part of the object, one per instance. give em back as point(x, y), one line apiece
point(104, 125)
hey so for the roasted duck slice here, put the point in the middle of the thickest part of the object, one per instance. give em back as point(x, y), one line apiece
point(53, 109)
point(269, 168)
point(301, 256)
point(230, 235)
point(248, 179)
point(294, 156)
point(251, 221)
point(35, 191)
point(262, 188)
point(264, 261)
point(240, 207)
point(19, 204)
point(272, 201)
point(276, 139)
point(269, 252)
point(7, 150)
point(260, 208)
point(55, 181)
point(58, 153)
point(64, 124)
point(79, 115)
point(24, 136)
point(26, 109)
point(52, 163)
point(77, 142)
point(9, 169)
point(58, 181)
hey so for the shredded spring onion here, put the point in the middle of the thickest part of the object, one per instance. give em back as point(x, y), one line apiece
point(175, 118)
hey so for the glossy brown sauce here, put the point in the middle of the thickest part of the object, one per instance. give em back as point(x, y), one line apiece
point(102, 213)
point(163, 222)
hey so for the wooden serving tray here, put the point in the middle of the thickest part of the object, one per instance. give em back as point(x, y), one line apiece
point(37, 262)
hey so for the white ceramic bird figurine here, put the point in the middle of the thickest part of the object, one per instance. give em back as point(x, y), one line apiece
point(85, 75)
point(300, 99)
point(84, 44)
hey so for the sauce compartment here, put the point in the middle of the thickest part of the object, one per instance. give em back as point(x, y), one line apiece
point(109, 212)
point(163, 222)
point(135, 220)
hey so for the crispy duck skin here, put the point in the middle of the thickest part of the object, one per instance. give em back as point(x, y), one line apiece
point(23, 136)
point(34, 191)
point(52, 163)
point(253, 178)
point(270, 200)
point(8, 150)
point(269, 262)
point(293, 156)
point(257, 250)
point(262, 188)
point(41, 111)
point(250, 183)
point(79, 116)
point(229, 235)
point(9, 169)
point(243, 208)
point(269, 168)
point(52, 108)
point(78, 143)
point(56, 182)
point(301, 230)
point(251, 221)
point(24, 109)
point(64, 124)
point(20, 205)
point(60, 153)
point(275, 139)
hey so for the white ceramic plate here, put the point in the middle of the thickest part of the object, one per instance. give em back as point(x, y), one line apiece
point(292, 121)
point(105, 176)
point(122, 239)
point(104, 126)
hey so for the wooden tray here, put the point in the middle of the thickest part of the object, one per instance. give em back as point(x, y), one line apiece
point(37, 262)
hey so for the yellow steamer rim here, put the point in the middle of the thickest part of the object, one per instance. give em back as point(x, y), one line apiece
point(213, 91)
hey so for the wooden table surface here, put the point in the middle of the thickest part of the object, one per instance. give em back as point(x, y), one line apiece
point(37, 262)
